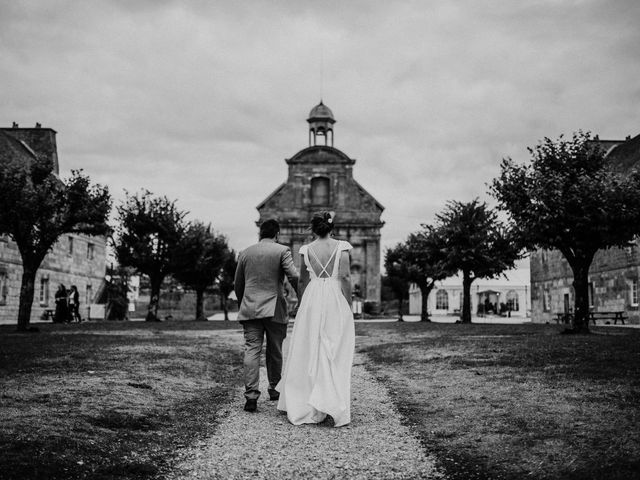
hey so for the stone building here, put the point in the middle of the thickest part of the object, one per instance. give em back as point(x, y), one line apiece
point(321, 178)
point(78, 260)
point(614, 273)
point(509, 293)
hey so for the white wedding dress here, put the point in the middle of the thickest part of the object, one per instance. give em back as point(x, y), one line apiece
point(317, 375)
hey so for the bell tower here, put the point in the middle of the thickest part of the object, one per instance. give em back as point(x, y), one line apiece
point(320, 124)
point(320, 177)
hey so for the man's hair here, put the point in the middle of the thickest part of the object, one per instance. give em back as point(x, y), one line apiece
point(269, 229)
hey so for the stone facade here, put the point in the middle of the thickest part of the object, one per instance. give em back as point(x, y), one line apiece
point(614, 273)
point(78, 260)
point(320, 177)
point(512, 291)
point(613, 283)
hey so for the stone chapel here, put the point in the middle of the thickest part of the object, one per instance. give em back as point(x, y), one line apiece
point(321, 178)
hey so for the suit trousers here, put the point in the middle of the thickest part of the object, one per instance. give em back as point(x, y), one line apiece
point(254, 333)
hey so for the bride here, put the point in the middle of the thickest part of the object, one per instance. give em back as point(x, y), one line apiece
point(317, 376)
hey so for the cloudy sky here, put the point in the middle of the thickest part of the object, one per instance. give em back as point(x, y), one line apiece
point(203, 100)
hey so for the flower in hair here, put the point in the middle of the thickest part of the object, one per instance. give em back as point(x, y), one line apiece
point(331, 215)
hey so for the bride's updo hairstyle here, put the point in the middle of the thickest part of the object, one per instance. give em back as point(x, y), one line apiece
point(322, 223)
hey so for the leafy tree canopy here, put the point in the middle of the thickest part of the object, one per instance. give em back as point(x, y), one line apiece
point(201, 255)
point(569, 197)
point(473, 240)
point(148, 233)
point(148, 236)
point(37, 207)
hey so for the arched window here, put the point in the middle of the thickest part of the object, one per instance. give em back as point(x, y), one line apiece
point(512, 301)
point(320, 191)
point(442, 300)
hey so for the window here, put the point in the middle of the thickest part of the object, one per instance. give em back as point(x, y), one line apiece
point(4, 288)
point(70, 251)
point(320, 191)
point(591, 295)
point(90, 251)
point(89, 295)
point(44, 291)
point(512, 301)
point(546, 300)
point(442, 300)
point(634, 292)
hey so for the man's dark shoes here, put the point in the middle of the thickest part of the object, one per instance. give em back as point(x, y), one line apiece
point(251, 406)
point(274, 395)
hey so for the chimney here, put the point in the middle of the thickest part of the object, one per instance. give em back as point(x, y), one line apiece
point(38, 125)
point(15, 125)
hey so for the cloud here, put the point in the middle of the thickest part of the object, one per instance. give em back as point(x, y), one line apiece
point(202, 101)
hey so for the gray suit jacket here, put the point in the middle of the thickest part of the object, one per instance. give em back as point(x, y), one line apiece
point(259, 281)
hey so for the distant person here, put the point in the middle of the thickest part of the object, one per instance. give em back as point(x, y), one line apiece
point(259, 287)
point(317, 377)
point(74, 304)
point(62, 309)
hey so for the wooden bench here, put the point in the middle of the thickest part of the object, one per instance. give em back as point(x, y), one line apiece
point(615, 316)
point(48, 314)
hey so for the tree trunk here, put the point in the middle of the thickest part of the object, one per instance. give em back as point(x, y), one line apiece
point(152, 311)
point(581, 291)
point(26, 297)
point(424, 312)
point(199, 306)
point(223, 304)
point(400, 319)
point(466, 297)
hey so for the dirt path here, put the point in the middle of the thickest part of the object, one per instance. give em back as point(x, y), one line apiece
point(265, 445)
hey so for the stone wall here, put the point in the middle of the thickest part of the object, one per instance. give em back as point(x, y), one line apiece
point(357, 212)
point(478, 289)
point(613, 279)
point(79, 265)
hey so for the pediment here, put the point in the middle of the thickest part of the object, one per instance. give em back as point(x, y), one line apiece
point(322, 155)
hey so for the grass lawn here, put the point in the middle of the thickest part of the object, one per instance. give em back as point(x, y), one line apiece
point(515, 401)
point(110, 400)
point(120, 399)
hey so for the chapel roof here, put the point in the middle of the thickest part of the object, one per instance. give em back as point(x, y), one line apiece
point(12, 148)
point(626, 155)
point(320, 154)
point(321, 112)
point(40, 141)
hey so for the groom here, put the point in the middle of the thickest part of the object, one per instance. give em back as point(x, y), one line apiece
point(259, 286)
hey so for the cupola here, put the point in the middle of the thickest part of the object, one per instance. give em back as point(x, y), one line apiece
point(320, 124)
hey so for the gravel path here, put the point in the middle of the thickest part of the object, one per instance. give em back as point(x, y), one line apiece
point(265, 445)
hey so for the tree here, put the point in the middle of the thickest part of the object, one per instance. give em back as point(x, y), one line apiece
point(474, 242)
point(397, 274)
point(571, 199)
point(148, 235)
point(202, 254)
point(115, 294)
point(37, 207)
point(426, 263)
point(227, 277)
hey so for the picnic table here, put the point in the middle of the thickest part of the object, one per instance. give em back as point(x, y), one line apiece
point(608, 315)
point(593, 316)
